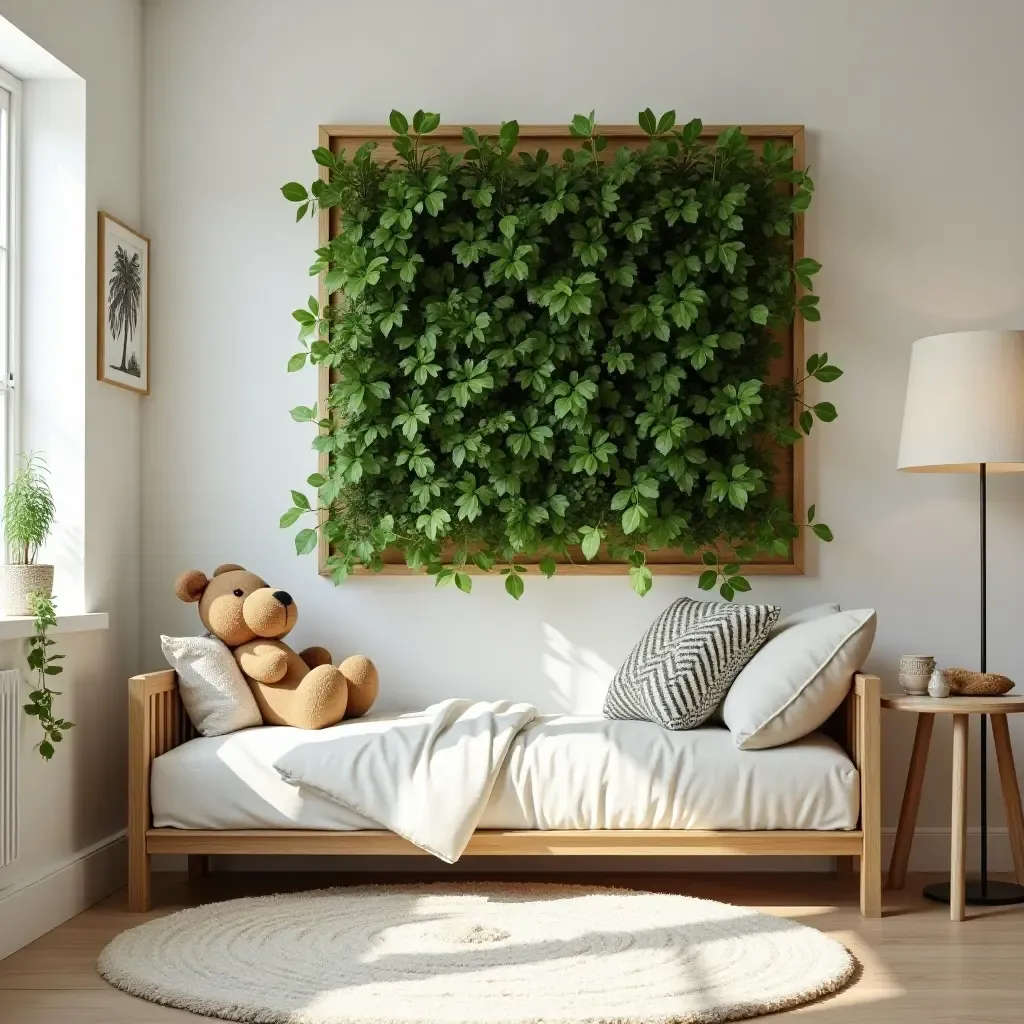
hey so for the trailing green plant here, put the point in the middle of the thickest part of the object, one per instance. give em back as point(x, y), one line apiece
point(541, 356)
point(28, 511)
point(44, 664)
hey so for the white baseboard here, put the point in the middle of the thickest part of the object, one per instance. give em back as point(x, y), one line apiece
point(38, 905)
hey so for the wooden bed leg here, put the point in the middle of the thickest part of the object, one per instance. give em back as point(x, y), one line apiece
point(139, 758)
point(869, 751)
point(198, 866)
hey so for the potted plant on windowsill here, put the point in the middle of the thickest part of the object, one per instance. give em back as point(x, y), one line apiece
point(28, 514)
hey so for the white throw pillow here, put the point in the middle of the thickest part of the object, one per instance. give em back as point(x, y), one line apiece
point(816, 611)
point(796, 681)
point(213, 689)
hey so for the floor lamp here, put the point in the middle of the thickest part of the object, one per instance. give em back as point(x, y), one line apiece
point(964, 413)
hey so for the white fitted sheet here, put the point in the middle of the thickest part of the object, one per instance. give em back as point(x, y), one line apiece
point(562, 772)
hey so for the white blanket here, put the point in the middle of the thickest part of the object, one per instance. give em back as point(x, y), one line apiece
point(426, 776)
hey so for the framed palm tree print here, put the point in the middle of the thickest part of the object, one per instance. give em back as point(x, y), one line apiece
point(122, 330)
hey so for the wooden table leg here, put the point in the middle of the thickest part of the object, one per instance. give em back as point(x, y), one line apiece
point(1011, 791)
point(911, 801)
point(958, 842)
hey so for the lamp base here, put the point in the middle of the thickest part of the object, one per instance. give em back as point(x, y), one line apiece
point(992, 894)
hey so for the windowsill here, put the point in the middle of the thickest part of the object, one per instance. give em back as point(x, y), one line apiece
point(17, 627)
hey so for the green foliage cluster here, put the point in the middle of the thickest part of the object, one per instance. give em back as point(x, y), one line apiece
point(28, 511)
point(541, 356)
point(44, 664)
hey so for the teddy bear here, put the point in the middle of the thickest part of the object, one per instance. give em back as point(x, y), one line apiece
point(250, 618)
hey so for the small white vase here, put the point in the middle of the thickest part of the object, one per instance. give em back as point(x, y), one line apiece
point(938, 685)
point(18, 581)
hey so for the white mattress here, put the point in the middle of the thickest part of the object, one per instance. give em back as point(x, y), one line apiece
point(563, 772)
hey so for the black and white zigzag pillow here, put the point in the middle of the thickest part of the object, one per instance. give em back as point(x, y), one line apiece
point(686, 661)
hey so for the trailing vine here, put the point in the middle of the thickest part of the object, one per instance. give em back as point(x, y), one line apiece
point(45, 665)
point(540, 356)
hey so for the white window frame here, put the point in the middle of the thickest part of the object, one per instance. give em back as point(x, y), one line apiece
point(10, 98)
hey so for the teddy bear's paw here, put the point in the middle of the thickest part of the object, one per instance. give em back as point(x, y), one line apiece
point(363, 684)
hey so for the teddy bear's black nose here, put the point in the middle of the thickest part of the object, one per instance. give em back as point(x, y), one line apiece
point(283, 596)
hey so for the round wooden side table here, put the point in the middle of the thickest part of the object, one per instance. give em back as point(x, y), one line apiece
point(961, 708)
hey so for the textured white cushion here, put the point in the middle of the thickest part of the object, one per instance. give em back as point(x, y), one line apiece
point(213, 689)
point(816, 611)
point(792, 685)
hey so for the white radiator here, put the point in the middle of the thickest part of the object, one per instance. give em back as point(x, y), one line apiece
point(10, 722)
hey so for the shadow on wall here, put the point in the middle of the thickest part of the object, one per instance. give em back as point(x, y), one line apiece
point(578, 675)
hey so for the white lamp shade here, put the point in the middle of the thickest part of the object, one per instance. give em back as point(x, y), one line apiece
point(965, 403)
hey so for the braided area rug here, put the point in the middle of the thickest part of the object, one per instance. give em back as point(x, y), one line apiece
point(475, 954)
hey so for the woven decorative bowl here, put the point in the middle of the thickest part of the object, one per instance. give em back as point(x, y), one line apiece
point(965, 683)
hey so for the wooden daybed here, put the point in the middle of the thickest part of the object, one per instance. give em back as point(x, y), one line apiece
point(157, 723)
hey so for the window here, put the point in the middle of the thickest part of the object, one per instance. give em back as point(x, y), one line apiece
point(10, 104)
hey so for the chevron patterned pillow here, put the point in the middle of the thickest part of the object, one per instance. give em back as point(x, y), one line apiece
point(686, 661)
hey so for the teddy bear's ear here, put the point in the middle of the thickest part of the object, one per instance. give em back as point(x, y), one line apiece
point(228, 567)
point(189, 586)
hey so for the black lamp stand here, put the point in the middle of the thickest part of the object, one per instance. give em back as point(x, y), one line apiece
point(982, 891)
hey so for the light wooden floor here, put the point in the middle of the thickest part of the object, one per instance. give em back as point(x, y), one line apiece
point(916, 965)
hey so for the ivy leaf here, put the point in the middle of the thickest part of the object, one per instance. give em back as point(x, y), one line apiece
point(514, 585)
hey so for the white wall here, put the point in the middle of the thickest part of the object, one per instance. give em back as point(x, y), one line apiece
point(73, 807)
point(913, 111)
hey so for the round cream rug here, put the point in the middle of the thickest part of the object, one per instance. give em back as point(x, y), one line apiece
point(475, 954)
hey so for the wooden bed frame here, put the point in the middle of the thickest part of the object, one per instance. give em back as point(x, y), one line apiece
point(157, 723)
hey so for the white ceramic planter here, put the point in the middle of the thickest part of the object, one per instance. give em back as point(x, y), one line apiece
point(18, 581)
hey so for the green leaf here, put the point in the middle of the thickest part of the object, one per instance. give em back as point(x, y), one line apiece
point(825, 411)
point(740, 584)
point(514, 585)
point(708, 579)
point(666, 122)
point(548, 566)
point(727, 592)
point(591, 543)
point(323, 156)
point(464, 582)
point(631, 519)
point(399, 125)
point(827, 374)
point(300, 500)
point(483, 561)
point(647, 122)
point(46, 750)
point(709, 558)
point(759, 314)
point(640, 579)
point(822, 532)
point(290, 518)
point(294, 192)
point(428, 123)
point(810, 514)
point(303, 414)
point(806, 421)
point(305, 541)
point(297, 362)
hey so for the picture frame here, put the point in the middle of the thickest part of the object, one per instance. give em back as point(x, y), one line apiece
point(122, 306)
